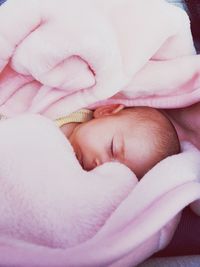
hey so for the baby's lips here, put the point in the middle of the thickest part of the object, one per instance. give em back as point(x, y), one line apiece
point(79, 158)
point(87, 166)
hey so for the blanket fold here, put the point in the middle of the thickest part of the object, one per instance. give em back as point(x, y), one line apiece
point(52, 219)
point(57, 57)
point(77, 63)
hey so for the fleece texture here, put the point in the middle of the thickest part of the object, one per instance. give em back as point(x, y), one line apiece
point(53, 213)
point(57, 57)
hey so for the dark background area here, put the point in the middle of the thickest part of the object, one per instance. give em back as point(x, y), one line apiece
point(194, 14)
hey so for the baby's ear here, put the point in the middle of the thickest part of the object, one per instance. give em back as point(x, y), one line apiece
point(107, 110)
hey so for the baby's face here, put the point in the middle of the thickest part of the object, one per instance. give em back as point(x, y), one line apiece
point(112, 138)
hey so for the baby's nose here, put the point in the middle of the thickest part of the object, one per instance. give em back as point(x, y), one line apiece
point(97, 162)
point(100, 161)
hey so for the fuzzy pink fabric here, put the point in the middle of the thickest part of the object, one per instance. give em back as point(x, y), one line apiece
point(57, 57)
point(65, 55)
point(53, 213)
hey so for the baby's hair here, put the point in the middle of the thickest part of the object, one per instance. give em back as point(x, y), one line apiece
point(157, 126)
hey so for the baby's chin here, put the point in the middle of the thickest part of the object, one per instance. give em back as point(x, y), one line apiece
point(144, 166)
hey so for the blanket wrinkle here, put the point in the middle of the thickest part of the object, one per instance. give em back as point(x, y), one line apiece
point(58, 57)
point(101, 58)
point(123, 230)
point(50, 192)
point(167, 232)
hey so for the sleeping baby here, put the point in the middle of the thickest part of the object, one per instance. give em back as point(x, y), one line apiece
point(138, 137)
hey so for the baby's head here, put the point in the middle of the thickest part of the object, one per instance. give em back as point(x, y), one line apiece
point(139, 137)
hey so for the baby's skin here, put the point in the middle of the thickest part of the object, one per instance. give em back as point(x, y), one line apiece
point(138, 137)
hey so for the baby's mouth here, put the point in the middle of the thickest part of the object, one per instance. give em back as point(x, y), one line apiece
point(80, 159)
point(83, 164)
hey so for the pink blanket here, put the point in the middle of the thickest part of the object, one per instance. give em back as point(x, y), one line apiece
point(57, 57)
point(66, 55)
point(53, 213)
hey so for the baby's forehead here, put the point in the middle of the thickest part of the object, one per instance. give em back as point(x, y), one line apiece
point(143, 128)
point(145, 116)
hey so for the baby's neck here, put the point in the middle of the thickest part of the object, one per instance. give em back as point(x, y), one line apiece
point(68, 128)
point(68, 123)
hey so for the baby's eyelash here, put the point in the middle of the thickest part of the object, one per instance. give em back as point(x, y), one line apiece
point(112, 148)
